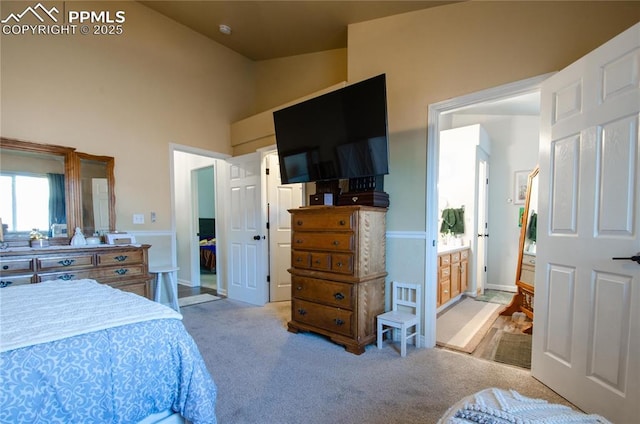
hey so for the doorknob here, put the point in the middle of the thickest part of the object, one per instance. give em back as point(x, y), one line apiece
point(631, 258)
point(256, 237)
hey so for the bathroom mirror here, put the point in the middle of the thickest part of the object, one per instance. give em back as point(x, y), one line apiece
point(43, 187)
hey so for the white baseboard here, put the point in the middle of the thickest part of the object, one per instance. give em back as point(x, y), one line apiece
point(508, 288)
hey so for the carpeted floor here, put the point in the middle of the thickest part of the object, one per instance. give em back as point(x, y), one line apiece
point(198, 298)
point(268, 375)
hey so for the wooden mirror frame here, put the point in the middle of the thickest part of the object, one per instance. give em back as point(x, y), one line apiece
point(73, 199)
point(523, 299)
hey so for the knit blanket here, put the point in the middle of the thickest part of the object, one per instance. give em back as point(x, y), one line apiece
point(39, 313)
point(497, 406)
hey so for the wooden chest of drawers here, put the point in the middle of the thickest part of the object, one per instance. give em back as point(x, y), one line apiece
point(338, 272)
point(123, 267)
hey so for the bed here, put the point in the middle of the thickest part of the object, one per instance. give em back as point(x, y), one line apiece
point(81, 351)
point(499, 406)
point(207, 234)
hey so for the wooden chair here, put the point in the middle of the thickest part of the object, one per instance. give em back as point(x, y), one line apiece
point(405, 314)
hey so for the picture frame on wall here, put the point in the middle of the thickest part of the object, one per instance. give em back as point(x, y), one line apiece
point(520, 187)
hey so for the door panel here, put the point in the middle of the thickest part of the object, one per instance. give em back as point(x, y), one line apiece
point(247, 271)
point(281, 199)
point(586, 338)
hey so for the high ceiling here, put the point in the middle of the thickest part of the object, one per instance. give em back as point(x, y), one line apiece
point(268, 29)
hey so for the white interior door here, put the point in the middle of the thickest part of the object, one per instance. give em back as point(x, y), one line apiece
point(482, 225)
point(247, 246)
point(281, 198)
point(586, 338)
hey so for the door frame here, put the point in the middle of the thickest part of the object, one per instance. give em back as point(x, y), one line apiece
point(436, 110)
point(221, 184)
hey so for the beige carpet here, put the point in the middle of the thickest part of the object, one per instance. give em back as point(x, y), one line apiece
point(463, 326)
point(194, 300)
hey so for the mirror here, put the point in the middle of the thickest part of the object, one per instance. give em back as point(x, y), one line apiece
point(97, 200)
point(526, 269)
point(48, 187)
point(528, 233)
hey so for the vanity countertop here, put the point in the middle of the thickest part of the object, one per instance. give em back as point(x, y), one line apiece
point(443, 249)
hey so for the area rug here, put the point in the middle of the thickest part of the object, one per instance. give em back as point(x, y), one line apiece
point(496, 296)
point(194, 300)
point(463, 326)
point(514, 349)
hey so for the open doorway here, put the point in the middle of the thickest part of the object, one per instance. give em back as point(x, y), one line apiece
point(510, 116)
point(204, 188)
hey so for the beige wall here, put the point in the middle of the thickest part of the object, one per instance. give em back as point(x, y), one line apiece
point(440, 53)
point(281, 80)
point(444, 52)
point(126, 96)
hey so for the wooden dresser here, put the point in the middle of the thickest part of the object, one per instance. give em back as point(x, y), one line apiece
point(338, 272)
point(453, 267)
point(122, 267)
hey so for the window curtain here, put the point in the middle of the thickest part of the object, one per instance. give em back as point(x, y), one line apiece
point(57, 203)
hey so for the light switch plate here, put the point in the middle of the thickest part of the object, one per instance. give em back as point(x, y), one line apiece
point(138, 218)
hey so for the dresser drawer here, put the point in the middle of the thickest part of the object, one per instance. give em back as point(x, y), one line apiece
point(342, 263)
point(320, 261)
point(66, 275)
point(300, 259)
point(11, 265)
point(65, 262)
point(332, 319)
point(120, 258)
point(445, 291)
point(445, 260)
point(107, 273)
point(323, 241)
point(15, 280)
point(328, 292)
point(323, 222)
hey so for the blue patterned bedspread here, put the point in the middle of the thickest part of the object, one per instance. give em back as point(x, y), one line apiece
point(116, 375)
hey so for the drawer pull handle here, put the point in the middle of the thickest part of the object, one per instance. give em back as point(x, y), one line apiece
point(5, 266)
point(121, 258)
point(302, 311)
point(342, 222)
point(299, 287)
point(121, 271)
point(339, 264)
point(338, 321)
point(336, 242)
point(4, 283)
point(66, 277)
point(338, 296)
point(299, 222)
point(298, 241)
point(298, 259)
point(446, 291)
point(66, 262)
point(318, 261)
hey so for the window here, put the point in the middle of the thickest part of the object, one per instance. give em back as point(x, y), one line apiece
point(24, 202)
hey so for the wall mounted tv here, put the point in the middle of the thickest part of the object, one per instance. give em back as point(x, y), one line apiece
point(339, 135)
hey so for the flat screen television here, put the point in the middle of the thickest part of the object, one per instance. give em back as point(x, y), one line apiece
point(338, 135)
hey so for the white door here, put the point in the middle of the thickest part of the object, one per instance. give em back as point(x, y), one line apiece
point(482, 225)
point(586, 338)
point(281, 198)
point(247, 246)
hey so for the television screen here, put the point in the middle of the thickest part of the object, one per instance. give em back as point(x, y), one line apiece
point(338, 135)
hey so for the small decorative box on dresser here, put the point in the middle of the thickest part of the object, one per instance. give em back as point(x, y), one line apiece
point(338, 272)
point(122, 267)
